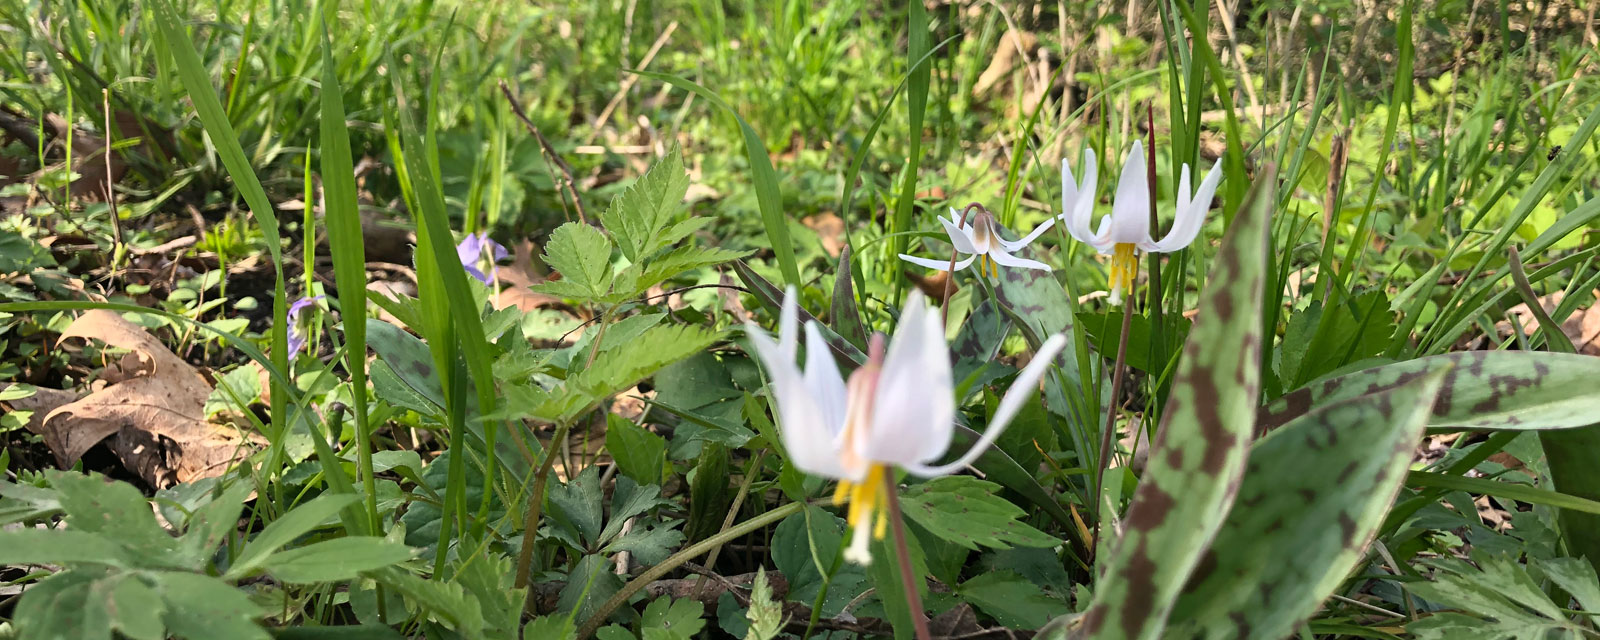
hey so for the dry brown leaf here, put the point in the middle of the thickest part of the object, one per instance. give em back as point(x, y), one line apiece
point(1582, 327)
point(155, 421)
point(41, 403)
point(830, 229)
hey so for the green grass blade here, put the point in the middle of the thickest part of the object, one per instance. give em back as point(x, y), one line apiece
point(762, 176)
point(191, 72)
point(343, 219)
point(917, 106)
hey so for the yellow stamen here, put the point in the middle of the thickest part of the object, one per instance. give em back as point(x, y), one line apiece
point(866, 500)
point(1124, 267)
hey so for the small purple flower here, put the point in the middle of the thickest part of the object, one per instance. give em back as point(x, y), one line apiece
point(478, 253)
point(297, 337)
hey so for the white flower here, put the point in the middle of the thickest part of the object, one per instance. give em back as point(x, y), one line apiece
point(981, 239)
point(896, 410)
point(1127, 230)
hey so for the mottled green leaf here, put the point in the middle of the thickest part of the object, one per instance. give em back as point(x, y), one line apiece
point(842, 310)
point(771, 297)
point(1314, 494)
point(965, 510)
point(1040, 308)
point(1197, 461)
point(64, 606)
point(978, 340)
point(1481, 390)
point(1570, 453)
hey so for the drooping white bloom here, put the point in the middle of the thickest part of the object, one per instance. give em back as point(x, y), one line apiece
point(1127, 230)
point(897, 410)
point(981, 240)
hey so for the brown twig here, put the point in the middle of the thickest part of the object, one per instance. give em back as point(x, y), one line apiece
point(908, 581)
point(552, 159)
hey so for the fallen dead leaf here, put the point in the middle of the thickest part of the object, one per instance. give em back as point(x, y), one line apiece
point(41, 403)
point(830, 229)
point(933, 285)
point(155, 420)
point(1582, 327)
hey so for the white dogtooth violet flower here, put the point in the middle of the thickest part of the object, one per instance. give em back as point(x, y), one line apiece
point(980, 239)
point(897, 410)
point(1127, 230)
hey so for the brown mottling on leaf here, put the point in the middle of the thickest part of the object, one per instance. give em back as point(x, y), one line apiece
point(1141, 580)
point(1150, 507)
point(1347, 528)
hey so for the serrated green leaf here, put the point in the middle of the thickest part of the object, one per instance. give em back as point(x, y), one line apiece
point(136, 609)
point(549, 628)
point(64, 606)
point(1576, 577)
point(589, 585)
point(1460, 586)
point(1313, 495)
point(335, 560)
point(1197, 461)
point(709, 494)
point(577, 505)
point(650, 544)
point(639, 453)
point(1011, 600)
point(286, 529)
point(61, 547)
point(680, 617)
point(200, 606)
point(965, 510)
point(117, 510)
point(629, 499)
point(638, 278)
point(583, 256)
point(637, 215)
point(210, 525)
point(765, 614)
point(447, 602)
point(617, 369)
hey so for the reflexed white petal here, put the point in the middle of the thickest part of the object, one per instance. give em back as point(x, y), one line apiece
point(805, 433)
point(960, 236)
point(1101, 240)
point(1016, 245)
point(788, 322)
point(914, 408)
point(940, 265)
point(1009, 260)
point(823, 380)
point(1024, 385)
point(1079, 207)
point(1130, 211)
point(1191, 212)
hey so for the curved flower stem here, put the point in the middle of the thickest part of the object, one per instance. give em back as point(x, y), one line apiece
point(535, 509)
point(950, 274)
point(919, 616)
point(1121, 368)
point(677, 559)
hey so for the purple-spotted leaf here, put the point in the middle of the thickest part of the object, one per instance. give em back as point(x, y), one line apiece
point(1198, 458)
point(1517, 390)
point(1039, 306)
point(1314, 494)
point(842, 311)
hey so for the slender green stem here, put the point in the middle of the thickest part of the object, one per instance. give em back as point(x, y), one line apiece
point(535, 509)
point(1121, 368)
point(733, 512)
point(677, 559)
point(902, 552)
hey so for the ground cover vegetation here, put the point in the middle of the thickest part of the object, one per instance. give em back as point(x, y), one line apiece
point(806, 319)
